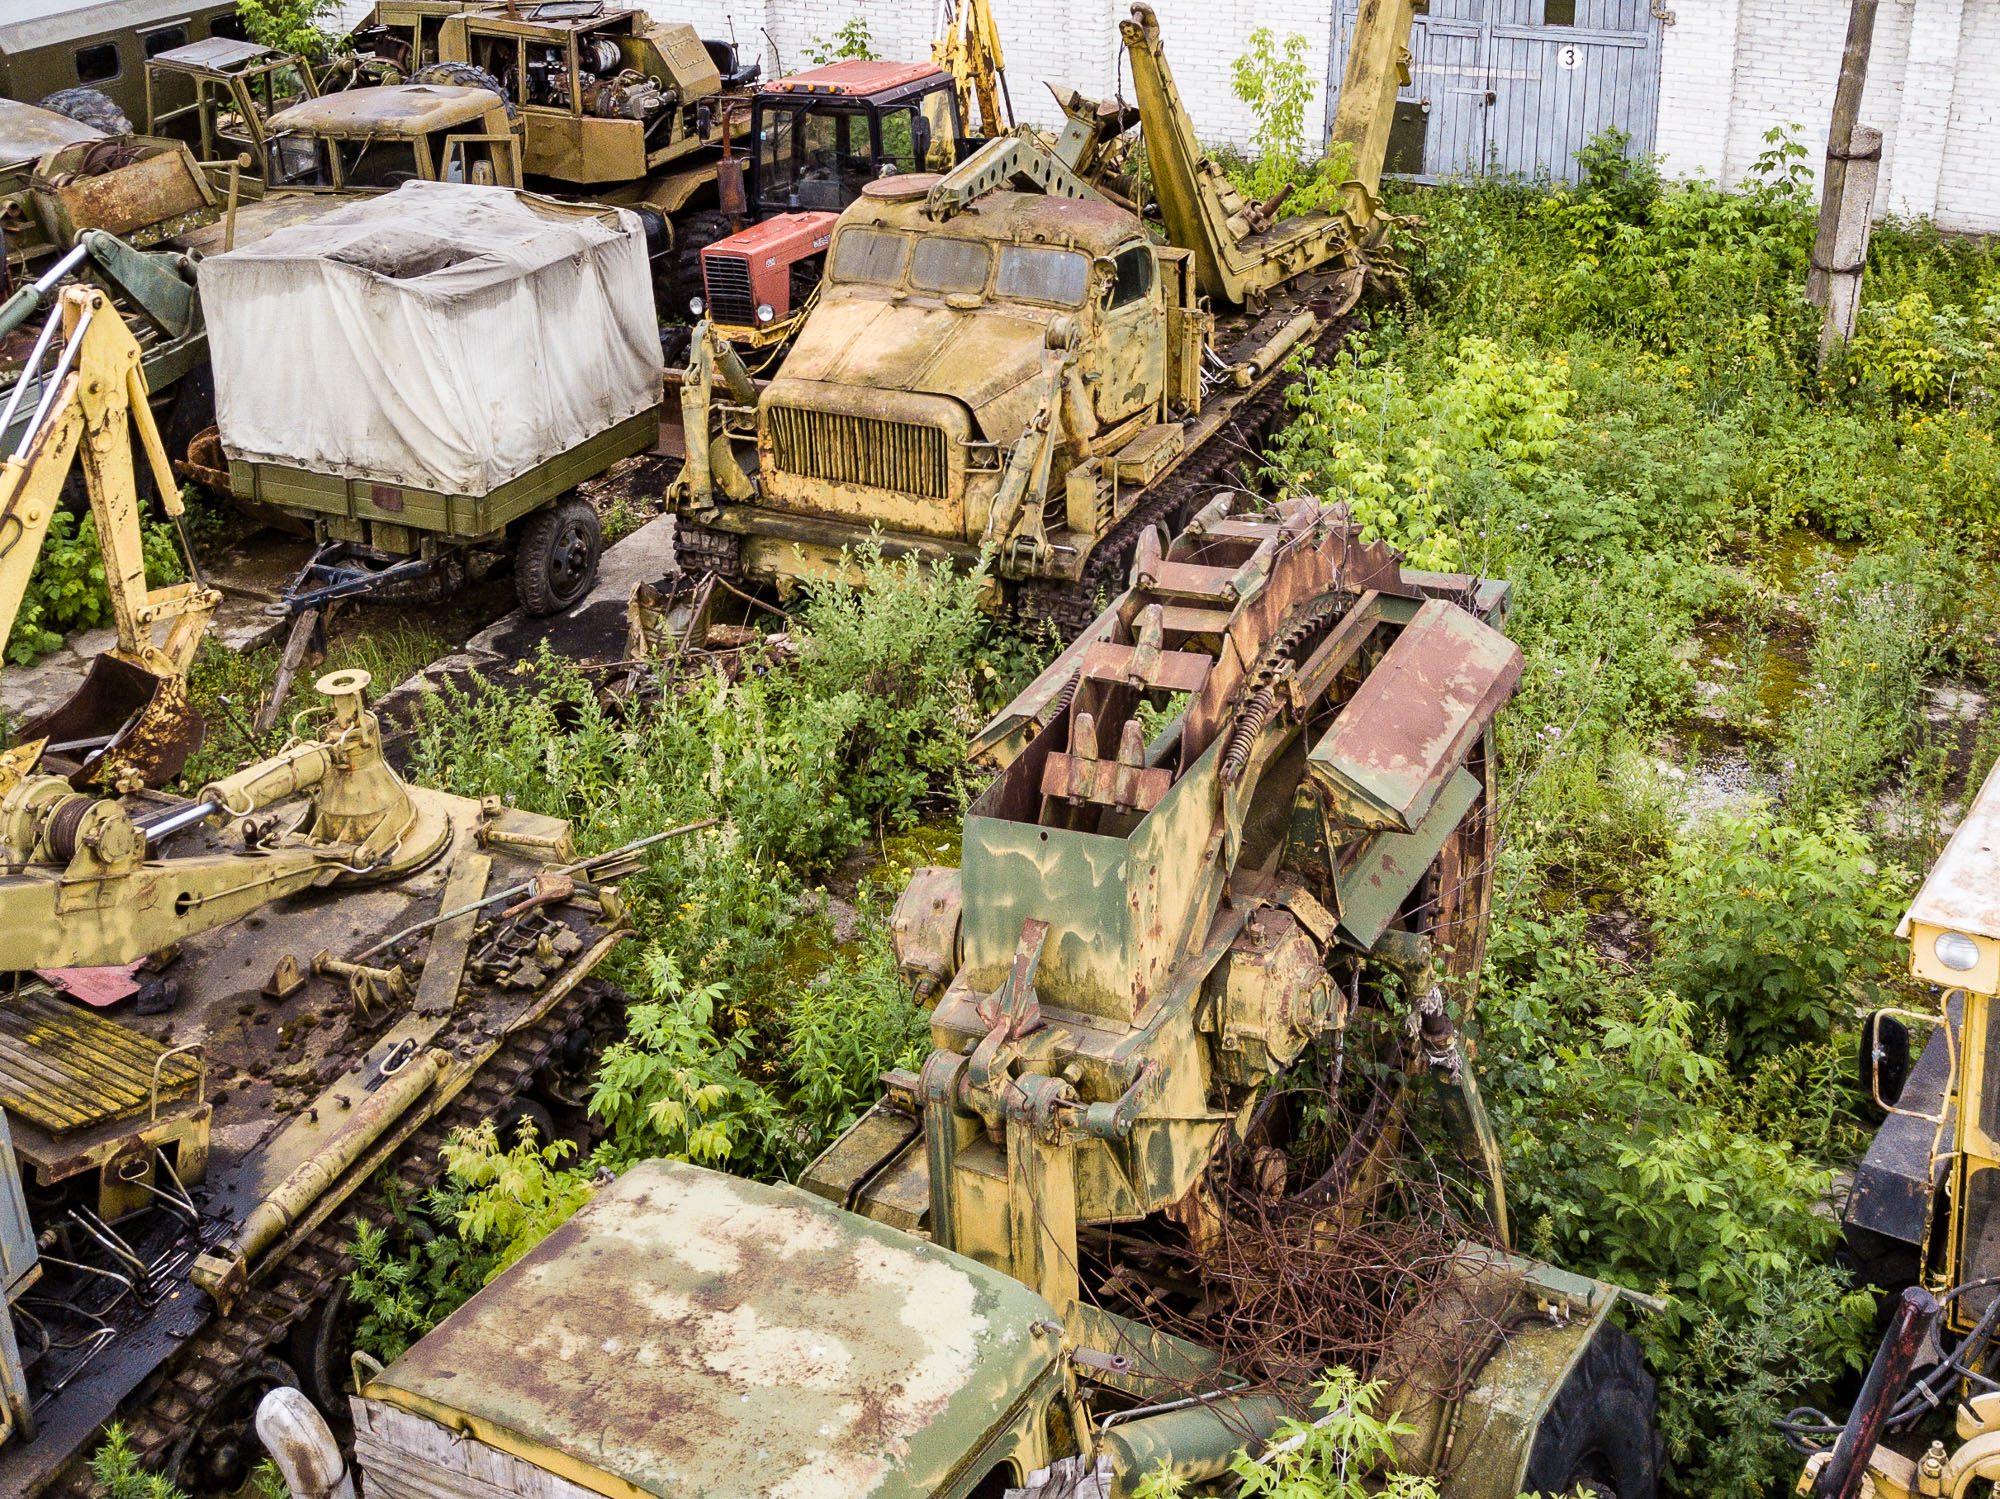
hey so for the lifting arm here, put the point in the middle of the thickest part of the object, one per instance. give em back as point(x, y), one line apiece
point(968, 48)
point(1240, 252)
point(88, 406)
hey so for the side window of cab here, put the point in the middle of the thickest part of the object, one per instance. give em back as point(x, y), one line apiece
point(1131, 277)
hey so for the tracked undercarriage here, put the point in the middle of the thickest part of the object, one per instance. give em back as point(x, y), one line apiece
point(336, 970)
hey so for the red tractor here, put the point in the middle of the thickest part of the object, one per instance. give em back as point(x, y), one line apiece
point(816, 139)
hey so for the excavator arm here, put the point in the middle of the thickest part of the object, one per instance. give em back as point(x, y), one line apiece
point(968, 48)
point(87, 408)
point(1241, 249)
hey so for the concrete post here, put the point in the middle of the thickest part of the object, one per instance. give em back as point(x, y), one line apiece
point(1862, 162)
point(1846, 106)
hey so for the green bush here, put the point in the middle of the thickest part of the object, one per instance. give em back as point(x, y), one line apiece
point(1778, 933)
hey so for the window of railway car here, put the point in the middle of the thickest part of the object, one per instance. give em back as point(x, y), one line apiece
point(1036, 273)
point(97, 63)
point(949, 265)
point(164, 39)
point(872, 256)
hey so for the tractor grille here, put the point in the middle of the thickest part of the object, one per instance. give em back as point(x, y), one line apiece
point(727, 281)
point(846, 449)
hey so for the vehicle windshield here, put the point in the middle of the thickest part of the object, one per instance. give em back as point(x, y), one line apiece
point(378, 163)
point(298, 161)
point(1037, 273)
point(949, 265)
point(871, 256)
point(813, 156)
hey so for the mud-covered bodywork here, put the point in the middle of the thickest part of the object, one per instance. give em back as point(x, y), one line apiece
point(692, 1333)
point(929, 356)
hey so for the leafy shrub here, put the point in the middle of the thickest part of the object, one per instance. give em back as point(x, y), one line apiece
point(1920, 354)
point(304, 27)
point(1273, 79)
point(116, 1468)
point(494, 1205)
point(852, 39)
point(1342, 1455)
point(1396, 459)
point(66, 591)
point(1779, 933)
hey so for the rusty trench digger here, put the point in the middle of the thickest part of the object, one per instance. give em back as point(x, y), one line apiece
point(1243, 842)
point(1005, 360)
point(323, 971)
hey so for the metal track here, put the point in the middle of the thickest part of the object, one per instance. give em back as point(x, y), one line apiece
point(1073, 606)
point(178, 1395)
point(700, 549)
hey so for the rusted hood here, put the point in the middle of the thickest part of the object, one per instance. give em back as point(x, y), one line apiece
point(977, 357)
point(691, 1333)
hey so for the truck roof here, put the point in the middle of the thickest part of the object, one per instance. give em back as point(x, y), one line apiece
point(405, 108)
point(28, 133)
point(218, 54)
point(689, 1332)
point(27, 24)
point(997, 218)
point(856, 76)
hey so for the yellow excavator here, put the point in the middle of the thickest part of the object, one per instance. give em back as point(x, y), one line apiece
point(130, 723)
point(967, 46)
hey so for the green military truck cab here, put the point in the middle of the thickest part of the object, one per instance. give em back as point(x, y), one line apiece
point(376, 139)
point(220, 94)
point(689, 1332)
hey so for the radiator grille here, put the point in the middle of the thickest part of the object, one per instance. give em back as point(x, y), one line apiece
point(845, 449)
point(727, 281)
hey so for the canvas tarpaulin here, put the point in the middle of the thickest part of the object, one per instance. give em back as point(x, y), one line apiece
point(443, 336)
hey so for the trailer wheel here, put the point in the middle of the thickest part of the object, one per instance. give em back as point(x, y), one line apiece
point(89, 106)
point(1600, 1434)
point(555, 559)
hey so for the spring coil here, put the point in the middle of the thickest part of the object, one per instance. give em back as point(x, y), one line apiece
point(1249, 724)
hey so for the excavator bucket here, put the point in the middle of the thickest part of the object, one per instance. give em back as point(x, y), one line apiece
point(122, 728)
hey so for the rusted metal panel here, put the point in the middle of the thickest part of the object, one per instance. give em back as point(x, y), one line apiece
point(64, 1069)
point(133, 197)
point(1410, 725)
point(398, 109)
point(1382, 876)
point(761, 1342)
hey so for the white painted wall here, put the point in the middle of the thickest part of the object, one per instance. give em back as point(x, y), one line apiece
point(1045, 42)
point(1731, 69)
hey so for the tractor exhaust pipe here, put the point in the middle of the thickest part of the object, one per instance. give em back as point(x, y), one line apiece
point(300, 1443)
point(1841, 1477)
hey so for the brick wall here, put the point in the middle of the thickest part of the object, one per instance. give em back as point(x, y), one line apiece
point(1045, 41)
point(1732, 69)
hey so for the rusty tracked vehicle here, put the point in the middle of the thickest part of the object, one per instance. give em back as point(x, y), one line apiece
point(323, 971)
point(1006, 360)
point(1246, 821)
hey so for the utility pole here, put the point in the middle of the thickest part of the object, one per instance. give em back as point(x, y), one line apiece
point(1839, 142)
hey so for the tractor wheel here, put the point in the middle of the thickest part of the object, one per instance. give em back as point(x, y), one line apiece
point(693, 234)
point(462, 75)
point(1599, 1434)
point(89, 106)
point(555, 559)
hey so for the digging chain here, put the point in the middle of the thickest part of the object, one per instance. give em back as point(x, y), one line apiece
point(1261, 701)
point(1071, 607)
point(179, 1395)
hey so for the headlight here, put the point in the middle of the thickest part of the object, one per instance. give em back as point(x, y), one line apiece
point(764, 312)
point(696, 306)
point(1956, 951)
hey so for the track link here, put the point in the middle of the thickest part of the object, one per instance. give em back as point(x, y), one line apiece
point(699, 549)
point(1071, 607)
point(176, 1398)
